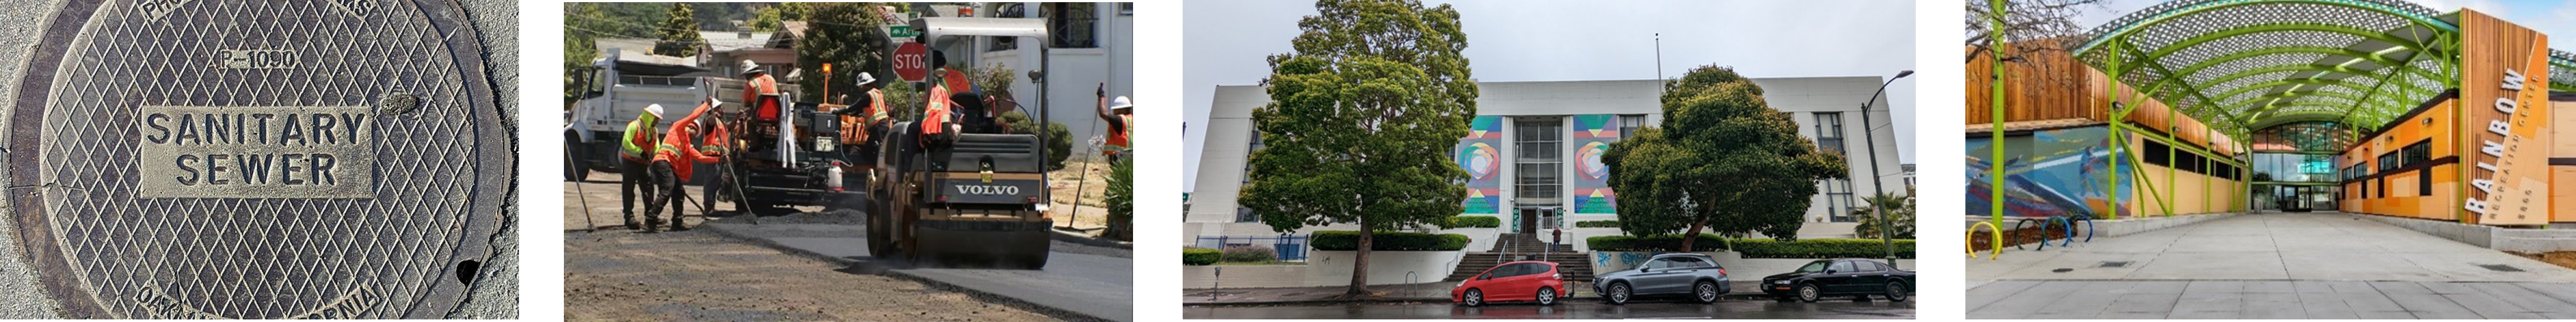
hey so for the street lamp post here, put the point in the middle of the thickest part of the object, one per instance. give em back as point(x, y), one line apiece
point(1874, 177)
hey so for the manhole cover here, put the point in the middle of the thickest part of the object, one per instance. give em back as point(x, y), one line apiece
point(2115, 264)
point(258, 159)
point(2500, 267)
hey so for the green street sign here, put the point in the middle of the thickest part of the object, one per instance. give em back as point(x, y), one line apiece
point(901, 31)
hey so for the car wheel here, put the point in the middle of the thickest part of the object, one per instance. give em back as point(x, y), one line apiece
point(1706, 291)
point(1546, 296)
point(1618, 294)
point(1474, 297)
point(1896, 291)
point(1808, 293)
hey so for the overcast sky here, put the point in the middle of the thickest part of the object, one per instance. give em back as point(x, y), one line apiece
point(1225, 43)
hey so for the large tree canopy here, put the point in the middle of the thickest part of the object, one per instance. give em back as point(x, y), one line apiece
point(1360, 122)
point(850, 37)
point(1721, 160)
point(679, 33)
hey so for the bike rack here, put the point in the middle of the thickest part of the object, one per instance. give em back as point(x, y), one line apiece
point(2088, 226)
point(2043, 232)
point(1998, 250)
point(2058, 220)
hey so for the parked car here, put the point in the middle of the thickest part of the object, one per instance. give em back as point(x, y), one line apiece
point(1847, 276)
point(1515, 281)
point(1690, 275)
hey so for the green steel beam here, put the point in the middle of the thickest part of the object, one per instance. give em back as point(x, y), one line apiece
point(2162, 17)
point(2195, 41)
point(2159, 66)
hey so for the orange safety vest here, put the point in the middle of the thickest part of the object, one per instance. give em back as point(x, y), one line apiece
point(1126, 123)
point(934, 113)
point(757, 86)
point(676, 149)
point(639, 135)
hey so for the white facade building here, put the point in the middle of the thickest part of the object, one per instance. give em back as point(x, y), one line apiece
point(1543, 167)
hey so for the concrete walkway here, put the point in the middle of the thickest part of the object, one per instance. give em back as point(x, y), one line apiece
point(2264, 266)
point(2271, 246)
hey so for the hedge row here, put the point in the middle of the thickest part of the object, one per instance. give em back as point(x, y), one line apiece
point(1250, 254)
point(1195, 256)
point(1706, 242)
point(1476, 221)
point(1597, 224)
point(1820, 248)
point(1395, 241)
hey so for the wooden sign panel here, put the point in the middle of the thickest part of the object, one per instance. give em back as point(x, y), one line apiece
point(2504, 94)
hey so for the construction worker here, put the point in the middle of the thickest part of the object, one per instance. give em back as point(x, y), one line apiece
point(938, 122)
point(756, 82)
point(635, 173)
point(1120, 115)
point(675, 157)
point(857, 125)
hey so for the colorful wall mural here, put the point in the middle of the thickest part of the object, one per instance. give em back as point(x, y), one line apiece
point(1592, 135)
point(1484, 164)
point(2050, 172)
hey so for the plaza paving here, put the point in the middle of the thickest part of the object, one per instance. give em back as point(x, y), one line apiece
point(2275, 265)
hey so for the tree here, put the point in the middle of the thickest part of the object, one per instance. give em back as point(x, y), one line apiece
point(679, 33)
point(1899, 215)
point(766, 20)
point(1721, 160)
point(1360, 122)
point(1120, 197)
point(848, 36)
point(579, 49)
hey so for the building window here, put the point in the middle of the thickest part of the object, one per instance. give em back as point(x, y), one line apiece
point(1838, 200)
point(1829, 131)
point(1070, 25)
point(1006, 10)
point(1628, 125)
point(1537, 144)
point(1243, 214)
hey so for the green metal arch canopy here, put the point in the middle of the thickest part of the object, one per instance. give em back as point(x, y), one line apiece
point(2319, 43)
point(2268, 55)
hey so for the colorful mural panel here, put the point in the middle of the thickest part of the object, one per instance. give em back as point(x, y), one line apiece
point(2050, 172)
point(1484, 164)
point(1592, 135)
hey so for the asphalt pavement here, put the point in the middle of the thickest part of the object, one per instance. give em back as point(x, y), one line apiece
point(1577, 308)
point(1085, 280)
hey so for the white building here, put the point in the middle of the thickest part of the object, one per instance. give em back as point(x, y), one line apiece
point(1542, 142)
point(1090, 44)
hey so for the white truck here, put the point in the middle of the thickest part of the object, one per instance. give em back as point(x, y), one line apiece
point(616, 88)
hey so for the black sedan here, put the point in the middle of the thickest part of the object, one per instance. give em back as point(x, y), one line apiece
point(1847, 276)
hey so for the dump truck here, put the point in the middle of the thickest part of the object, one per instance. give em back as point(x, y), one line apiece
point(979, 196)
point(613, 90)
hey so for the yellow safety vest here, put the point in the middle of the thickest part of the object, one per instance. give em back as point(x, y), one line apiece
point(639, 135)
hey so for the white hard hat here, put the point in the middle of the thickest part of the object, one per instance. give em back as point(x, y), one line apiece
point(865, 79)
point(750, 67)
point(1121, 103)
point(656, 109)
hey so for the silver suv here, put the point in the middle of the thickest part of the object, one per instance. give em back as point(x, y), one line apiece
point(1692, 275)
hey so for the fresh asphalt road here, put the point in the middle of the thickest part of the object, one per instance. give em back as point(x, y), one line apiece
point(1577, 308)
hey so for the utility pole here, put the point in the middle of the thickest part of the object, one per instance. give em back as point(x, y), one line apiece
point(1659, 59)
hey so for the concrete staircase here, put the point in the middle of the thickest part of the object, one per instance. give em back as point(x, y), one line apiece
point(1511, 247)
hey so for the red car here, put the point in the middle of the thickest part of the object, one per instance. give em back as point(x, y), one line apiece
point(1514, 281)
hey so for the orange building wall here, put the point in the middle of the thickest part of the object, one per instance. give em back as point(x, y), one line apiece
point(2562, 178)
point(2403, 197)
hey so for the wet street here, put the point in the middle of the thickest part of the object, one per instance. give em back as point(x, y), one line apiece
point(1578, 308)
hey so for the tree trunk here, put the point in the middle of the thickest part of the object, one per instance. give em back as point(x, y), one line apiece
point(1359, 266)
point(1693, 234)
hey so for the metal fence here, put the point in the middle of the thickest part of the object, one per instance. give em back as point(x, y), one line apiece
point(1289, 247)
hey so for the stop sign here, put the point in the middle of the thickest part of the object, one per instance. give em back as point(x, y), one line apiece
point(912, 62)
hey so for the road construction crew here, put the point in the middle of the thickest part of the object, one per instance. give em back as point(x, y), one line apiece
point(1120, 115)
point(635, 173)
point(675, 157)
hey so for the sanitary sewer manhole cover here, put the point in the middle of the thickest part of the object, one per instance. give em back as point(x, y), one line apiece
point(258, 159)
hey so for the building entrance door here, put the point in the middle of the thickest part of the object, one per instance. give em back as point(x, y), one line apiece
point(1529, 220)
